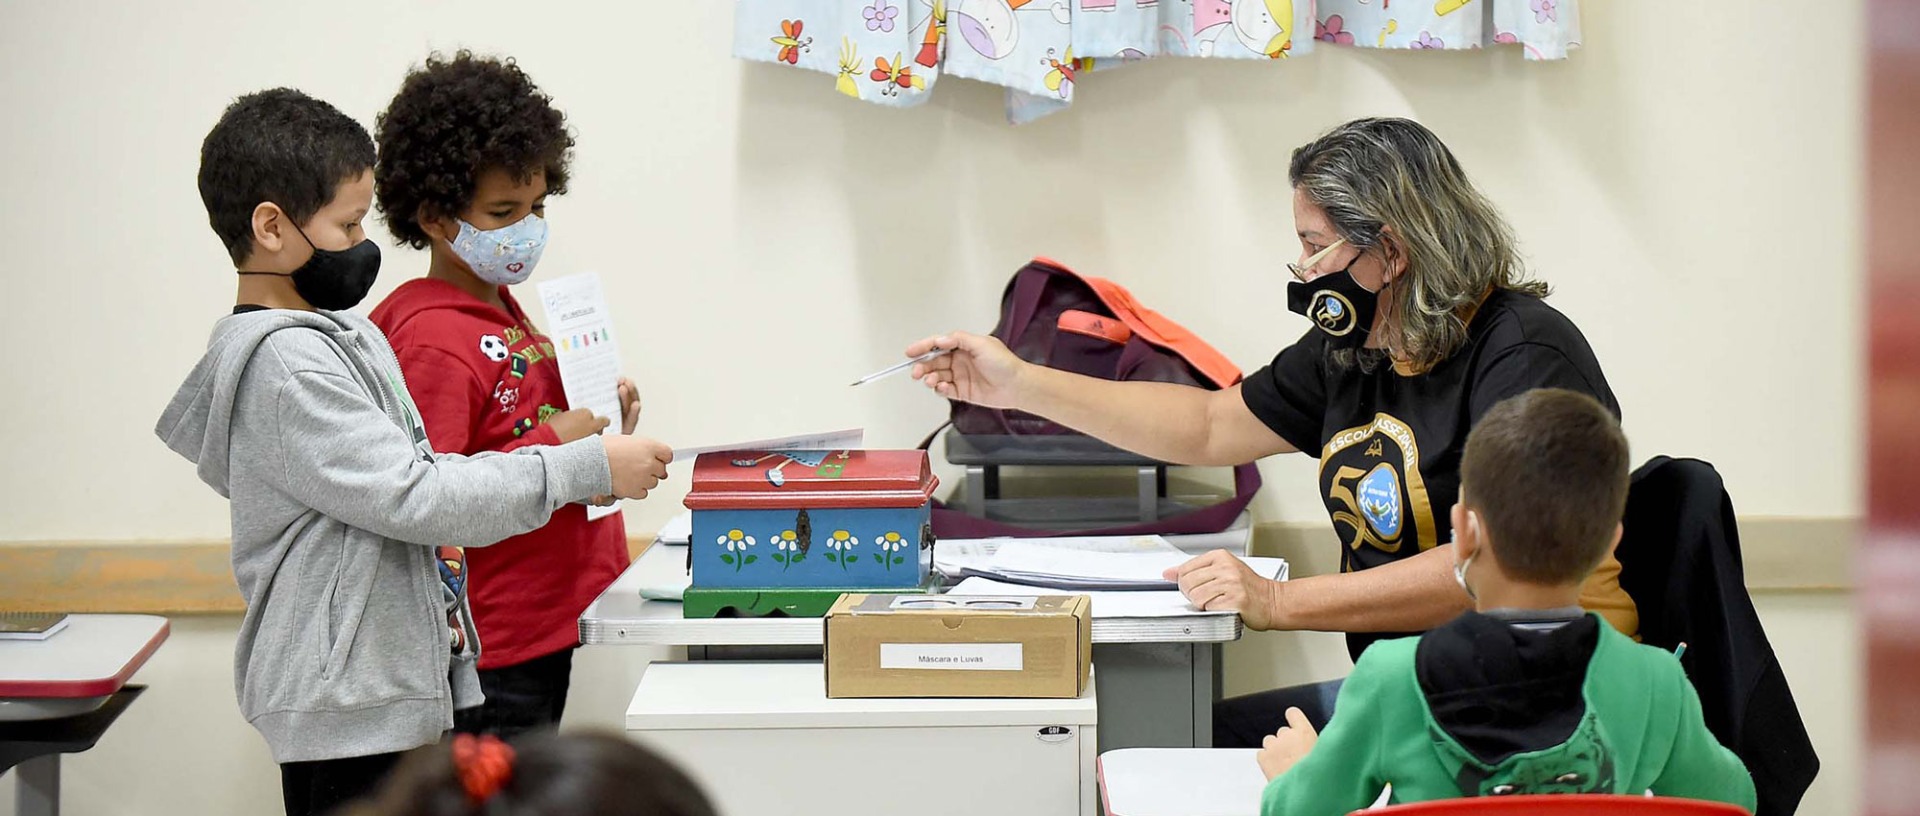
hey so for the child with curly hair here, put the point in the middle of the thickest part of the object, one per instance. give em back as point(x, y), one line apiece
point(469, 151)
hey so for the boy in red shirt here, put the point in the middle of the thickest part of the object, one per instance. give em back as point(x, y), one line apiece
point(469, 151)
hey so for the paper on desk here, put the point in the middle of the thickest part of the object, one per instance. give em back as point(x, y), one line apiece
point(1035, 564)
point(678, 530)
point(1155, 604)
point(953, 556)
point(582, 331)
point(851, 439)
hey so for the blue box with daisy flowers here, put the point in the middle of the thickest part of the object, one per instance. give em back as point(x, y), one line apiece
point(848, 519)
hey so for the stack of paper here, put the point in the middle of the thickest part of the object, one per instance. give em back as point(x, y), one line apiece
point(1159, 604)
point(1063, 568)
point(953, 557)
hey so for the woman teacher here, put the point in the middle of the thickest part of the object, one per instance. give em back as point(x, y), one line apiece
point(1423, 318)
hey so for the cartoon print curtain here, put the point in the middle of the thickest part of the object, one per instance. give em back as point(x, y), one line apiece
point(893, 52)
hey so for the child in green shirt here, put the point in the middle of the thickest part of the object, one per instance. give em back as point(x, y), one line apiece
point(1527, 694)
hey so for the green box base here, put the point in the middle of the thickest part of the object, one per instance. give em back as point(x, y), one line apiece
point(775, 602)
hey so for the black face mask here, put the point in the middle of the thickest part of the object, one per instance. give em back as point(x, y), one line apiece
point(334, 279)
point(1338, 305)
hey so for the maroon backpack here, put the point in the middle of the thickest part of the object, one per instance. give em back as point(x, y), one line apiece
point(1054, 317)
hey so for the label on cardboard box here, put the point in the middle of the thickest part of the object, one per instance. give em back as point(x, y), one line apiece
point(882, 645)
point(953, 656)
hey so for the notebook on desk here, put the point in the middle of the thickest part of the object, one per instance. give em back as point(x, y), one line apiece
point(31, 625)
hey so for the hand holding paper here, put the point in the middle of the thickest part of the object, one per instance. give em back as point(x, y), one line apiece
point(578, 423)
point(629, 405)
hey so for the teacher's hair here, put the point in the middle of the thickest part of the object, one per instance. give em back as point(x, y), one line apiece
point(1391, 184)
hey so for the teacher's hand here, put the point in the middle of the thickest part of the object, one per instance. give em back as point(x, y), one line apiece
point(980, 370)
point(1218, 580)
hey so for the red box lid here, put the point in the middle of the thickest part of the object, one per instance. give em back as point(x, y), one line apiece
point(756, 480)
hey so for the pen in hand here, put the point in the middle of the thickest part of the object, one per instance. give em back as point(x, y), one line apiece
point(901, 366)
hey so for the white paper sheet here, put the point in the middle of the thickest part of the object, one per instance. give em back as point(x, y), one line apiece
point(1157, 604)
point(851, 439)
point(952, 556)
point(582, 330)
point(1038, 565)
point(678, 530)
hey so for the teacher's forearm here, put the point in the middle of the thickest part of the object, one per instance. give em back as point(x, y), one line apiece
point(1163, 421)
point(1411, 595)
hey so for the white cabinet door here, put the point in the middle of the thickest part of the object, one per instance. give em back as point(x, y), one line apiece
point(963, 771)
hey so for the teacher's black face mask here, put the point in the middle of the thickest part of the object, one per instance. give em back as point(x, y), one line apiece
point(1337, 304)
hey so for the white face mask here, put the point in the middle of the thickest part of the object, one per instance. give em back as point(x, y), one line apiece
point(1460, 574)
point(505, 256)
point(1460, 567)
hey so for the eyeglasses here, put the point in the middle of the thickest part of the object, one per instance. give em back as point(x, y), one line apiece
point(1300, 270)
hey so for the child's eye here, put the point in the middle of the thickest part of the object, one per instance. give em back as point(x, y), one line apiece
point(502, 215)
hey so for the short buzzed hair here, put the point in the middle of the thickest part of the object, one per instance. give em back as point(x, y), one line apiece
point(1547, 472)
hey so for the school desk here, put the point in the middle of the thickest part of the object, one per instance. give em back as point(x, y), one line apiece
point(1159, 676)
point(59, 695)
point(1181, 782)
point(764, 738)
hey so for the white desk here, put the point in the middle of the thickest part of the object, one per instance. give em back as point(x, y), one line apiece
point(60, 695)
point(1161, 675)
point(763, 738)
point(621, 616)
point(1181, 782)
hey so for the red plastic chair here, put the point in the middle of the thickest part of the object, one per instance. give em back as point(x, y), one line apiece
point(1581, 804)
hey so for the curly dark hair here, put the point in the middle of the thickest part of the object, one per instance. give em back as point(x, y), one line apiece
point(282, 146)
point(454, 119)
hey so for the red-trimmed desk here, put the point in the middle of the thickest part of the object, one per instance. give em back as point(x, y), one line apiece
point(59, 695)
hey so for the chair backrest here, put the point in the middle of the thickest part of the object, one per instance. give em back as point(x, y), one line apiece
point(1680, 562)
point(1580, 804)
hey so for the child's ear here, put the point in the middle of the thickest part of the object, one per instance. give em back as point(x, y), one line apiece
point(1466, 534)
point(268, 222)
point(1618, 531)
point(436, 225)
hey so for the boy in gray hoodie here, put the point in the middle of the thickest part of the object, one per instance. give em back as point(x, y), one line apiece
point(353, 648)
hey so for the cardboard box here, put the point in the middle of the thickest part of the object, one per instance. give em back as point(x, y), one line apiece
point(954, 646)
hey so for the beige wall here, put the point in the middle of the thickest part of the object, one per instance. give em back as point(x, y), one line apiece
point(1688, 181)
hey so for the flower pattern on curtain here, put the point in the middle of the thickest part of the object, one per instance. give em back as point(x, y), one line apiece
point(893, 52)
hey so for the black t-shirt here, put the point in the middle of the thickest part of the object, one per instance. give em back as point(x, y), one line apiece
point(1389, 445)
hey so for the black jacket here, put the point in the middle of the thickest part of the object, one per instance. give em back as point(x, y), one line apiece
point(1680, 561)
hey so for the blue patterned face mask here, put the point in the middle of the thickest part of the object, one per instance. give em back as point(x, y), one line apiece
point(505, 256)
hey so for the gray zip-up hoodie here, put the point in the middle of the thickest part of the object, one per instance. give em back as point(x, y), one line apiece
point(302, 420)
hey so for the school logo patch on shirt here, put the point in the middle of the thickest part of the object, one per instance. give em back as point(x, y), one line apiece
point(1380, 500)
point(1375, 493)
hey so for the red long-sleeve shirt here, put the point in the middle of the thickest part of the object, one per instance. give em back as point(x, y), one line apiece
point(486, 380)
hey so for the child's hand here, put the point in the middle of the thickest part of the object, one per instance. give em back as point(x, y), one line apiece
point(629, 406)
point(1280, 751)
point(639, 464)
point(578, 423)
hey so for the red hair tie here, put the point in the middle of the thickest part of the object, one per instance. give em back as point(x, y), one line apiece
point(484, 764)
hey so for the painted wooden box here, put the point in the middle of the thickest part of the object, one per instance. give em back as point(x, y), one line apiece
point(812, 519)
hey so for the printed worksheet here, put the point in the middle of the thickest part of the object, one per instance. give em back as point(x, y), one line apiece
point(582, 330)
